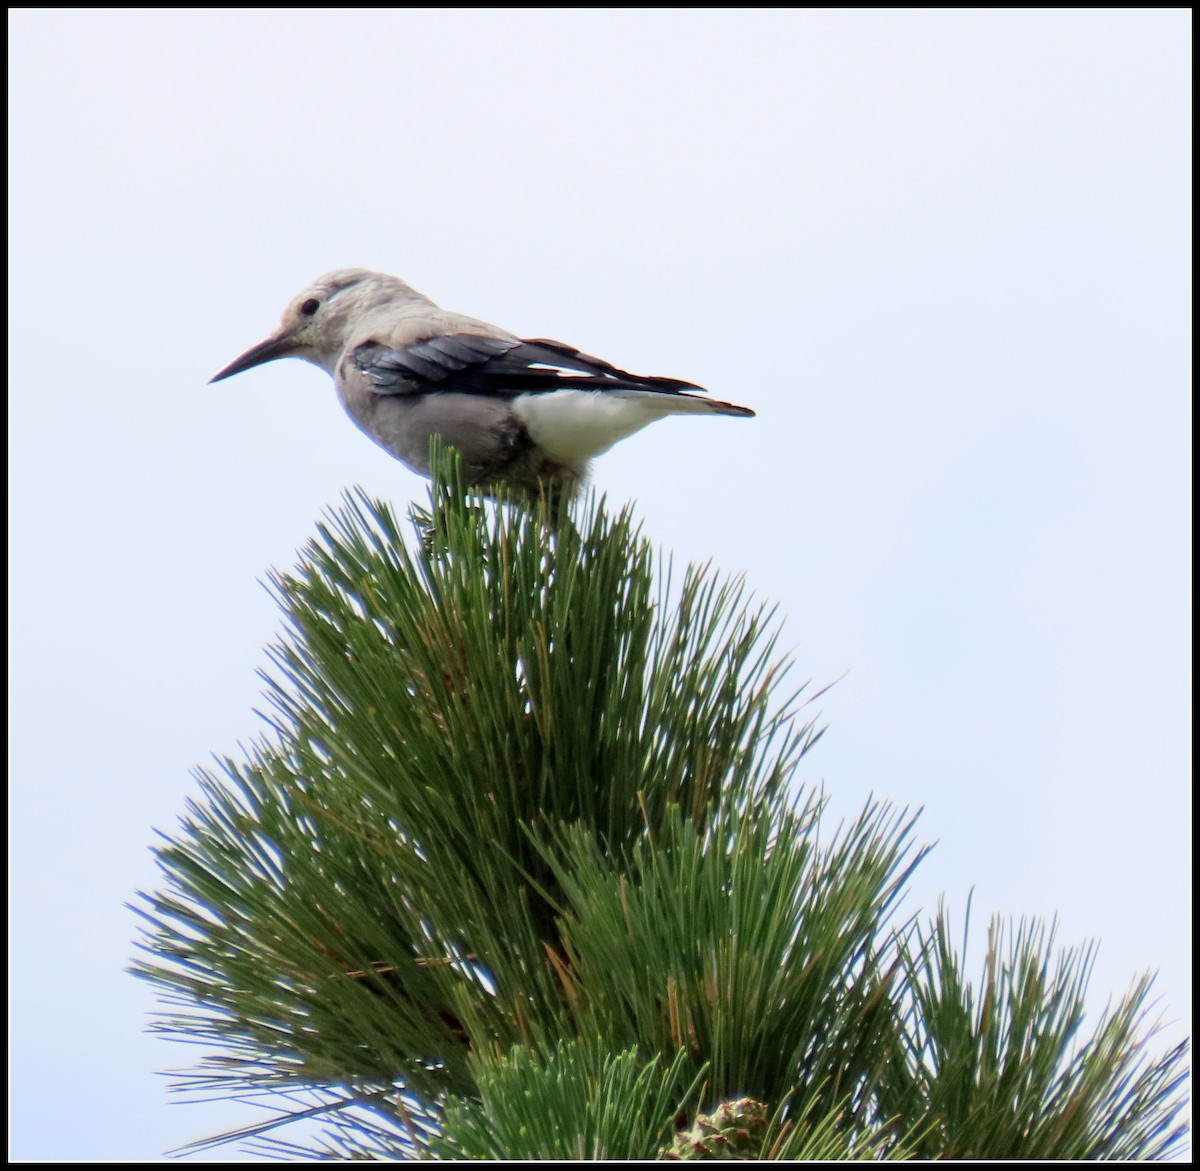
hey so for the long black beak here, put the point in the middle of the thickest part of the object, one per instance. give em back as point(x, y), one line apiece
point(265, 351)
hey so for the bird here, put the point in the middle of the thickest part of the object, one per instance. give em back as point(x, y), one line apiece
point(528, 414)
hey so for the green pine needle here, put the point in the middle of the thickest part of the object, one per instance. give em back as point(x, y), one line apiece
point(522, 869)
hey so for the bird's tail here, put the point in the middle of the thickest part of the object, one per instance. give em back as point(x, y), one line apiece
point(679, 403)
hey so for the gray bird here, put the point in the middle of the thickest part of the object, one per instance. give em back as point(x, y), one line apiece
point(530, 413)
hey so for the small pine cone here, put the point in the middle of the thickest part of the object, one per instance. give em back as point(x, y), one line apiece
point(734, 1130)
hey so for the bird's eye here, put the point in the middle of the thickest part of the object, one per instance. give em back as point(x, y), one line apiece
point(310, 306)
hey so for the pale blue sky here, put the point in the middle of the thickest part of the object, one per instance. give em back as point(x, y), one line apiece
point(945, 256)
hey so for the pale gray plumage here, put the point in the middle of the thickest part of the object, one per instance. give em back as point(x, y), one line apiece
point(525, 412)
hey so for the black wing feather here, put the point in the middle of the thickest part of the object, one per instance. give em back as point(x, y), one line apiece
point(469, 363)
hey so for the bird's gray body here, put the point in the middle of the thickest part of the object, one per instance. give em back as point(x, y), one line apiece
point(528, 413)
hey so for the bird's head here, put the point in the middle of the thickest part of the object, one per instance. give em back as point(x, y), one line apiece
point(318, 321)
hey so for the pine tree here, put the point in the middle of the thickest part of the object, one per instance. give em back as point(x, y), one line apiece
point(521, 871)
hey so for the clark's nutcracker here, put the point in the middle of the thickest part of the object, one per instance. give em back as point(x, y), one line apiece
point(524, 412)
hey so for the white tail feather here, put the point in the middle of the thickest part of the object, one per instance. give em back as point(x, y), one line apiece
point(573, 426)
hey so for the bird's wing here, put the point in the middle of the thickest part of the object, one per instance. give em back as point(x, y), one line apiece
point(472, 363)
